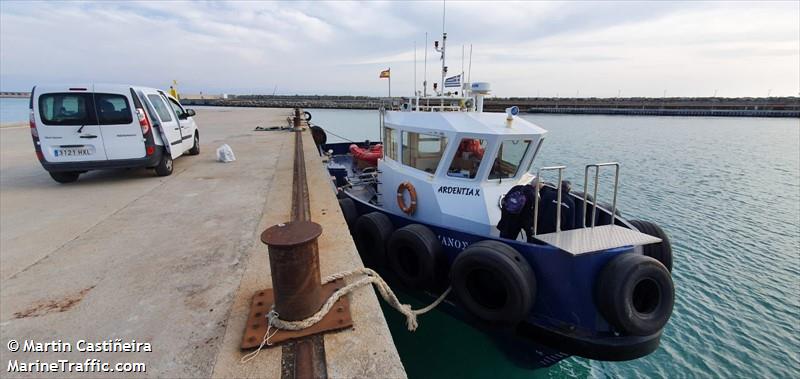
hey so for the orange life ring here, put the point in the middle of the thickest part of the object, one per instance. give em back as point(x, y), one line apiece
point(412, 193)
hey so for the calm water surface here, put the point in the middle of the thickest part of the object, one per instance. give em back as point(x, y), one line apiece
point(13, 110)
point(726, 190)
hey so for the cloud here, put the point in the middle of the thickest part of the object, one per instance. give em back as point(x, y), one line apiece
point(523, 48)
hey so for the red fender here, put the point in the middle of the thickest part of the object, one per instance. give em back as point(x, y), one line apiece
point(370, 155)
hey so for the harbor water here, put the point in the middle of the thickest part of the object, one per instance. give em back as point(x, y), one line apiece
point(726, 190)
point(13, 110)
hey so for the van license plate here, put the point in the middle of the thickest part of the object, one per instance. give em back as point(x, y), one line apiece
point(73, 151)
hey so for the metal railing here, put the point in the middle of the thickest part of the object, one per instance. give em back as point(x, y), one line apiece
point(536, 185)
point(596, 184)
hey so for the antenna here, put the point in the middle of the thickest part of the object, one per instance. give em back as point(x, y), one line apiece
point(415, 67)
point(469, 73)
point(462, 68)
point(425, 68)
point(442, 49)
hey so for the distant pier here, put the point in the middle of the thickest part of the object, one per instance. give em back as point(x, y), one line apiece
point(15, 94)
point(675, 106)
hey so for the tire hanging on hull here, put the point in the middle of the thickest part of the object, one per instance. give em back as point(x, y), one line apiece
point(414, 254)
point(372, 230)
point(661, 251)
point(635, 294)
point(494, 282)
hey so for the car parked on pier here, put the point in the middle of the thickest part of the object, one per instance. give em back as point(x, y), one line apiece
point(80, 128)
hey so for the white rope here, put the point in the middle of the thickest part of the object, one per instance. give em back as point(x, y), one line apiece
point(370, 277)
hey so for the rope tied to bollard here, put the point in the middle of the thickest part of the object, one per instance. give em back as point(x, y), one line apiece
point(370, 277)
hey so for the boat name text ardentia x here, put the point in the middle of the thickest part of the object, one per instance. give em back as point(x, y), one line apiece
point(460, 191)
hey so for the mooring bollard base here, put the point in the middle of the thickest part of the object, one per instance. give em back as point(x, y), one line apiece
point(338, 318)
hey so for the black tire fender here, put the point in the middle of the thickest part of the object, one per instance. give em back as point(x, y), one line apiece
point(635, 294)
point(319, 135)
point(413, 254)
point(372, 231)
point(661, 251)
point(494, 282)
point(349, 212)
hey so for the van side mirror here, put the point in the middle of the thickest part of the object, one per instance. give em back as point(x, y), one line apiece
point(190, 112)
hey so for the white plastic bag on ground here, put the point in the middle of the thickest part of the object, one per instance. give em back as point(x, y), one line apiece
point(225, 154)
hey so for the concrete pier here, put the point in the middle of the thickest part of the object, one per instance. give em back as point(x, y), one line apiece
point(169, 261)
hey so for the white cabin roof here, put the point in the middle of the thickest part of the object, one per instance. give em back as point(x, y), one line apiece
point(463, 122)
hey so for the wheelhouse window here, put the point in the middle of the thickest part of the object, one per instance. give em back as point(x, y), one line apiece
point(535, 154)
point(467, 159)
point(423, 151)
point(390, 143)
point(509, 158)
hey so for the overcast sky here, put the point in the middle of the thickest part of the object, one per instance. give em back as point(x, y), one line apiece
point(522, 48)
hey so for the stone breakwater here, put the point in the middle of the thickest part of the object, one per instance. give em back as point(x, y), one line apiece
point(733, 107)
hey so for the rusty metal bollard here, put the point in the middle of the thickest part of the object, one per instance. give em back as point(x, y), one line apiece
point(294, 262)
point(297, 119)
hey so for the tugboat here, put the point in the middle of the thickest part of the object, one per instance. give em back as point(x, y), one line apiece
point(423, 205)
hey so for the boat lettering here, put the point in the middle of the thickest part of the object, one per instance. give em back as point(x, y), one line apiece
point(460, 191)
point(452, 242)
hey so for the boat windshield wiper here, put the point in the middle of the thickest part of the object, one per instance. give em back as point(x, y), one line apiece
point(81, 128)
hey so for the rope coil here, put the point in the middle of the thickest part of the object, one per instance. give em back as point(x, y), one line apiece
point(370, 277)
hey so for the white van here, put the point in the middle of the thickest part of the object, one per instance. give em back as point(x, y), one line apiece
point(89, 127)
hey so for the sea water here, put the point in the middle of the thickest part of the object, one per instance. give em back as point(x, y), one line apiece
point(13, 110)
point(726, 191)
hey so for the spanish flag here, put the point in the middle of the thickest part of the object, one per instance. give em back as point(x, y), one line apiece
point(384, 74)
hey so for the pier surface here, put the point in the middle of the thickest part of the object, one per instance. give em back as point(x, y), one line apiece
point(171, 261)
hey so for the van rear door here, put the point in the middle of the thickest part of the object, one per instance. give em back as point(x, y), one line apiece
point(168, 124)
point(67, 124)
point(122, 135)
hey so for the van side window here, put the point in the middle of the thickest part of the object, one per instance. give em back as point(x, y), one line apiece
point(161, 108)
point(390, 143)
point(112, 109)
point(176, 108)
point(423, 151)
point(508, 159)
point(67, 109)
point(468, 158)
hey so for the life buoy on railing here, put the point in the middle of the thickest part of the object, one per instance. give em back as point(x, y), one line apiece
point(412, 194)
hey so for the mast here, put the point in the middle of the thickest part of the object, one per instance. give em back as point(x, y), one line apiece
point(442, 49)
point(425, 69)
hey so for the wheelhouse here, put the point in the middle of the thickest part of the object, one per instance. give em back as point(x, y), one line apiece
point(460, 163)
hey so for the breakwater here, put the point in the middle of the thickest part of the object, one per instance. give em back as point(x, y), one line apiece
point(675, 106)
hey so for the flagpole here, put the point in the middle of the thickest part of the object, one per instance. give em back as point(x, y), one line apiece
point(390, 83)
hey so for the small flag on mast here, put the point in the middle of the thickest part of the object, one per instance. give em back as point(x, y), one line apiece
point(385, 74)
point(453, 81)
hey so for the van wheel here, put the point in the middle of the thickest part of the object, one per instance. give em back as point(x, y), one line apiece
point(164, 167)
point(65, 177)
point(195, 150)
